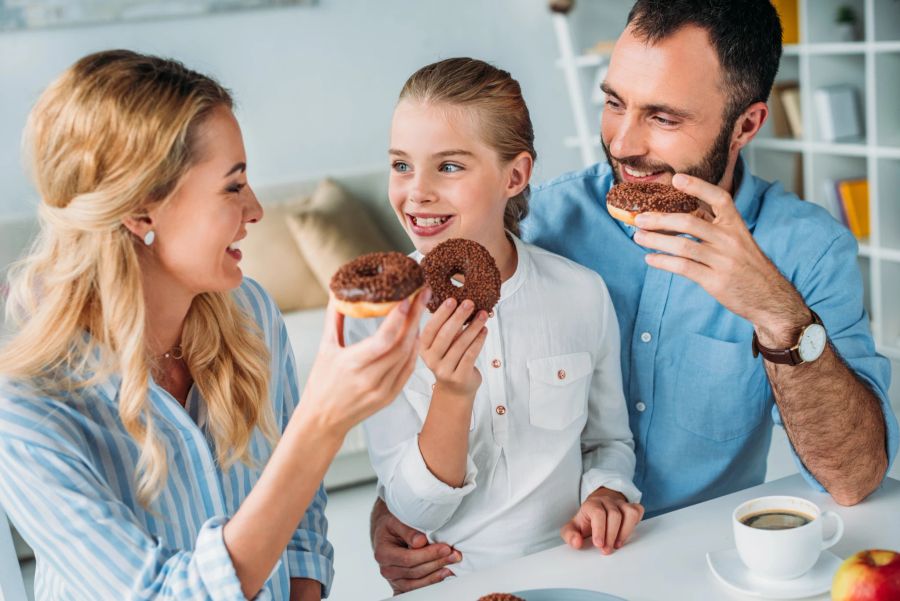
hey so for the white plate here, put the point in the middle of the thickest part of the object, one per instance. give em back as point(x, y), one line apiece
point(565, 594)
point(731, 571)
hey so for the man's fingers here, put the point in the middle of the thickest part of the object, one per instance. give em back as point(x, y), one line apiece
point(718, 199)
point(403, 557)
point(404, 586)
point(680, 266)
point(679, 246)
point(420, 571)
point(681, 223)
point(597, 519)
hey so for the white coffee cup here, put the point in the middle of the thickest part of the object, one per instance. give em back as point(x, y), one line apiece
point(788, 553)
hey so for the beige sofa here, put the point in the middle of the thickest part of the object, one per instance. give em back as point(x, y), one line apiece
point(290, 275)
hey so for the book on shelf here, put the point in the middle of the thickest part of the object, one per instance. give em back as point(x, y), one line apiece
point(848, 201)
point(838, 111)
point(790, 100)
point(781, 126)
point(788, 13)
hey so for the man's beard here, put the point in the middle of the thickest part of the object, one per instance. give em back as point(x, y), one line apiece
point(711, 169)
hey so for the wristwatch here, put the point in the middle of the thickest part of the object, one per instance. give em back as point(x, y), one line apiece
point(809, 347)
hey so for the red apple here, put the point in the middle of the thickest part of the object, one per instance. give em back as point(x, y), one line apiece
point(871, 575)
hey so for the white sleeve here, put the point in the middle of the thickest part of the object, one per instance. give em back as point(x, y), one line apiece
point(607, 444)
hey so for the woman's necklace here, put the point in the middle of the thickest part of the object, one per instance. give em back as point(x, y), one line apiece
point(176, 353)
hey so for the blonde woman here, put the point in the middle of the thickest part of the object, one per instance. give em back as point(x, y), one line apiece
point(147, 384)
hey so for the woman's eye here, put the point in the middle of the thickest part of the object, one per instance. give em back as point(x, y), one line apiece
point(235, 189)
point(450, 168)
point(400, 167)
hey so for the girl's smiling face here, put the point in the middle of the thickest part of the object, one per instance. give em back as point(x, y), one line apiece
point(446, 182)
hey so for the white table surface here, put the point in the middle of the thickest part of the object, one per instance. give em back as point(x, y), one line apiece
point(666, 556)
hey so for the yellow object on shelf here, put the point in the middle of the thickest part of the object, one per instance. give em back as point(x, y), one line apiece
point(854, 196)
point(787, 10)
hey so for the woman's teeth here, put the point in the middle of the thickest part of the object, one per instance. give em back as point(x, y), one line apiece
point(235, 245)
point(635, 172)
point(428, 221)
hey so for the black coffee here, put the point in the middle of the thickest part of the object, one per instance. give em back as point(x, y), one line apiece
point(776, 519)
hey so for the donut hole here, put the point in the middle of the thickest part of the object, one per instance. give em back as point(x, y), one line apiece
point(458, 279)
point(371, 271)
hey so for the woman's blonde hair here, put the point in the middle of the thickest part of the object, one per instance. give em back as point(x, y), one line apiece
point(113, 135)
point(504, 118)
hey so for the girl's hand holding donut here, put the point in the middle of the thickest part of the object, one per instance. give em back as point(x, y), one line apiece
point(449, 347)
point(348, 384)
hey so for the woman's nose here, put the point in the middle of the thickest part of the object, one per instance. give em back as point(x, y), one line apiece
point(253, 212)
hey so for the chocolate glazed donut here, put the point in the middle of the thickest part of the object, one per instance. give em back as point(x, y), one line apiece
point(626, 200)
point(474, 262)
point(370, 285)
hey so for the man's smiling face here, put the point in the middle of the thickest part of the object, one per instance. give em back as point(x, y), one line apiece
point(665, 109)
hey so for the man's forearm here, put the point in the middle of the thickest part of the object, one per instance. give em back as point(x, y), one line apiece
point(835, 423)
point(305, 589)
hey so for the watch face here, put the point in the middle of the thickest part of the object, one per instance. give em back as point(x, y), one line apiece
point(812, 343)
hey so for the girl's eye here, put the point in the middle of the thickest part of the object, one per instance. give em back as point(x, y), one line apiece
point(401, 167)
point(450, 168)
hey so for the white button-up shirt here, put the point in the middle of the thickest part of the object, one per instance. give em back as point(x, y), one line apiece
point(549, 423)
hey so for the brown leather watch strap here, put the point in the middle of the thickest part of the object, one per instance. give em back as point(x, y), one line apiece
point(789, 356)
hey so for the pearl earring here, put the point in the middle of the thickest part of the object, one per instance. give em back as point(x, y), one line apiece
point(149, 237)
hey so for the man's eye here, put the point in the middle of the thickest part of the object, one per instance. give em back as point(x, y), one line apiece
point(664, 121)
point(614, 104)
point(400, 167)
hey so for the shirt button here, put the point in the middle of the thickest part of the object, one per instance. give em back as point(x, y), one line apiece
point(501, 410)
point(561, 374)
point(640, 406)
point(646, 337)
point(495, 363)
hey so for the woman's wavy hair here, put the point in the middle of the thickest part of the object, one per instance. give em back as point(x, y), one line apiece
point(113, 135)
point(504, 118)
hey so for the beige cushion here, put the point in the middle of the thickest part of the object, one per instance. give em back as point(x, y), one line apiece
point(272, 258)
point(333, 229)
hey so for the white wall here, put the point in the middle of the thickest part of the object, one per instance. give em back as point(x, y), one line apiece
point(316, 85)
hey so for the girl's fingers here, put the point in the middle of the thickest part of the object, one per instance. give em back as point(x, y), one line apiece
point(437, 320)
point(451, 328)
point(470, 356)
point(464, 340)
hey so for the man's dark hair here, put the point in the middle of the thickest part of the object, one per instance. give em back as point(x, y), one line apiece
point(746, 35)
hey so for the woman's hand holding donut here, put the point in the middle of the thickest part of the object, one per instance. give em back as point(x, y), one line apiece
point(450, 349)
point(348, 384)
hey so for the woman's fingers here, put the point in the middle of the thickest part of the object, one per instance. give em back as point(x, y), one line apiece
point(333, 334)
point(393, 329)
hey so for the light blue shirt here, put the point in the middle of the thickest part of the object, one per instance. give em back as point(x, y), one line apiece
point(67, 481)
point(699, 403)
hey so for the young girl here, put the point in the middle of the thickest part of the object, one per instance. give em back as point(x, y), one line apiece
point(147, 383)
point(512, 430)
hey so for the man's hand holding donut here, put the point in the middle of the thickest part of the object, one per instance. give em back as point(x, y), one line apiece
point(725, 260)
point(449, 349)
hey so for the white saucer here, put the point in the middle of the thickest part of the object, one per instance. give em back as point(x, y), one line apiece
point(731, 571)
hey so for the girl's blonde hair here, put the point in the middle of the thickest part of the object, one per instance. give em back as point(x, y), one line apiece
point(113, 135)
point(505, 123)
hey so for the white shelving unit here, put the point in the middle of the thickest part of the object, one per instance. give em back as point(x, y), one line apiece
point(872, 65)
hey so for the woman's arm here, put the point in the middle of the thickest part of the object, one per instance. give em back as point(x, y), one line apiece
point(345, 386)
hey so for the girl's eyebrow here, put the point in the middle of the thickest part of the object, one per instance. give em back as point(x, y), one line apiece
point(441, 154)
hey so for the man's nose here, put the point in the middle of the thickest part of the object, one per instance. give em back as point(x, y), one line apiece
point(629, 139)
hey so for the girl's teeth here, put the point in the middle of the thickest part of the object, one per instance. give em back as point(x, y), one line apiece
point(429, 221)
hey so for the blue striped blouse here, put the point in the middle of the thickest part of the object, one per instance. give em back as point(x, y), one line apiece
point(67, 470)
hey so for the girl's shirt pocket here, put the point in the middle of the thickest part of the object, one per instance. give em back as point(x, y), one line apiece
point(558, 390)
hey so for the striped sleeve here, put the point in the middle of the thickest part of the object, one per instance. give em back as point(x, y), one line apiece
point(309, 553)
point(69, 514)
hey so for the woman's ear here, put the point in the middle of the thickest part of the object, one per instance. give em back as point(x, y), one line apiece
point(519, 170)
point(139, 225)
